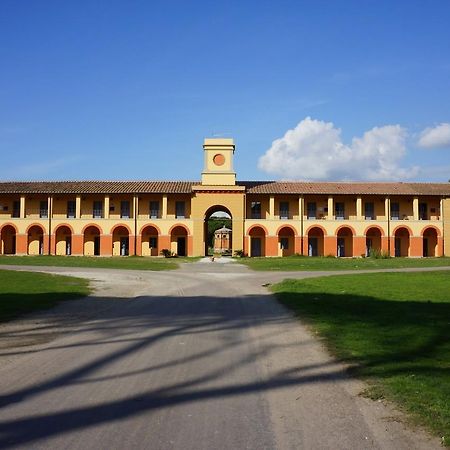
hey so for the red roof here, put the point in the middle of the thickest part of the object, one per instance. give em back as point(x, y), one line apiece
point(252, 187)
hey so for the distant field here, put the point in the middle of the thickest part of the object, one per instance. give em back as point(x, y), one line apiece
point(23, 292)
point(114, 262)
point(323, 263)
point(392, 328)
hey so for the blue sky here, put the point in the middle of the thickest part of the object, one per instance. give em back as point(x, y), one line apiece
point(129, 89)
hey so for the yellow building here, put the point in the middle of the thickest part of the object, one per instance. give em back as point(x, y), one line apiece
point(268, 218)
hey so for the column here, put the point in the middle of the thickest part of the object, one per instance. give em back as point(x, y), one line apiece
point(271, 207)
point(22, 207)
point(416, 208)
point(106, 212)
point(330, 209)
point(164, 207)
point(359, 214)
point(77, 207)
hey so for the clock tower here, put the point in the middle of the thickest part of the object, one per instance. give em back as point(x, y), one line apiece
point(218, 168)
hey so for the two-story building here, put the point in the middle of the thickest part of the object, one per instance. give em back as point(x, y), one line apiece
point(112, 218)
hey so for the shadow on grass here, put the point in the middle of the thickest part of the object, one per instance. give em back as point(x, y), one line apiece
point(15, 305)
point(403, 347)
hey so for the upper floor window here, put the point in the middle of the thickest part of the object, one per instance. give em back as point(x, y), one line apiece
point(423, 211)
point(284, 210)
point(255, 210)
point(395, 211)
point(16, 208)
point(43, 209)
point(97, 210)
point(125, 209)
point(339, 210)
point(369, 211)
point(311, 210)
point(180, 210)
point(71, 206)
point(154, 210)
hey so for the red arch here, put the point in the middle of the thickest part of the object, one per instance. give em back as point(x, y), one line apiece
point(438, 232)
point(11, 225)
point(257, 226)
point(36, 225)
point(345, 226)
point(316, 226)
point(179, 225)
point(287, 226)
point(150, 225)
point(91, 225)
point(120, 225)
point(402, 226)
point(380, 229)
point(63, 225)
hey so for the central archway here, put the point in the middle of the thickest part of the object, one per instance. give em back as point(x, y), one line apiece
point(218, 231)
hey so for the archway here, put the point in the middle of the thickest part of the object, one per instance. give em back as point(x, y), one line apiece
point(149, 241)
point(8, 240)
point(218, 218)
point(344, 242)
point(373, 241)
point(257, 241)
point(401, 242)
point(121, 241)
point(178, 240)
point(63, 238)
point(36, 240)
point(430, 242)
point(286, 241)
point(315, 242)
point(91, 241)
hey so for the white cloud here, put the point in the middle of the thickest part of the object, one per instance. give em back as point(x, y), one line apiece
point(314, 150)
point(435, 137)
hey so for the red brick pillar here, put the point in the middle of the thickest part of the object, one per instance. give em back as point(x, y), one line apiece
point(77, 244)
point(329, 245)
point(298, 245)
point(415, 246)
point(271, 245)
point(21, 244)
point(139, 245)
point(106, 245)
point(359, 246)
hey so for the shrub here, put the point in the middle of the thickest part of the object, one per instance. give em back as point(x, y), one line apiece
point(240, 253)
point(166, 253)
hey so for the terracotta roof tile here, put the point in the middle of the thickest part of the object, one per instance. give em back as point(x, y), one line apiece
point(252, 187)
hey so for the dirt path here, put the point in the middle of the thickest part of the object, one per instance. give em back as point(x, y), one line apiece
point(198, 358)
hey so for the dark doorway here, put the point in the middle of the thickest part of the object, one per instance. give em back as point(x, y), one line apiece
point(313, 248)
point(256, 246)
point(124, 246)
point(181, 246)
point(96, 245)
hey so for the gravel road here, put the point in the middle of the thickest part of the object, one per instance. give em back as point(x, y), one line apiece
point(198, 358)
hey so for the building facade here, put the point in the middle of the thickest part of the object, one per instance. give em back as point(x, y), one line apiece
point(268, 218)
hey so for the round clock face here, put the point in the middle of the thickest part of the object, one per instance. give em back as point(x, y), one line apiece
point(219, 159)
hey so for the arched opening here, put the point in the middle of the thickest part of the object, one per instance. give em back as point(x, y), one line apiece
point(401, 242)
point(344, 242)
point(373, 241)
point(8, 240)
point(315, 242)
point(149, 241)
point(257, 241)
point(91, 241)
point(286, 241)
point(430, 242)
point(121, 241)
point(36, 240)
point(63, 241)
point(218, 231)
point(178, 241)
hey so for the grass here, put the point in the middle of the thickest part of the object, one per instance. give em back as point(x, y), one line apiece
point(392, 328)
point(114, 262)
point(23, 292)
point(297, 263)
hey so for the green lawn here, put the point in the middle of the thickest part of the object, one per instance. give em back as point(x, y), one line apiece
point(394, 330)
point(117, 262)
point(293, 263)
point(23, 292)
